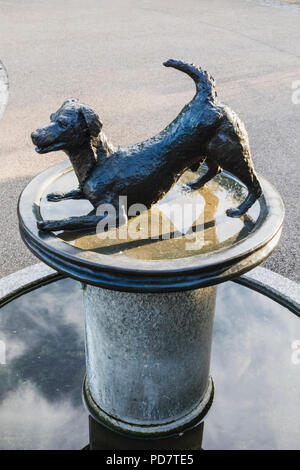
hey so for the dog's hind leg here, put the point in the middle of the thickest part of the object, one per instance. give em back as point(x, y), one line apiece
point(197, 165)
point(73, 194)
point(254, 192)
point(213, 170)
point(230, 148)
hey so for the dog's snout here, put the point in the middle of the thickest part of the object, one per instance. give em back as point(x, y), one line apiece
point(34, 136)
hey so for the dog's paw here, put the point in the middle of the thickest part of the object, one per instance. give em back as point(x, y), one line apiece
point(194, 185)
point(54, 197)
point(191, 186)
point(234, 213)
point(185, 188)
point(46, 225)
point(41, 225)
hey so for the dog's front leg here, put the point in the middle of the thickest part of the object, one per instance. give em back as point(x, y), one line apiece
point(73, 223)
point(74, 194)
point(213, 170)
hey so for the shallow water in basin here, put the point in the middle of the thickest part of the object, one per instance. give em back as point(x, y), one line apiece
point(183, 224)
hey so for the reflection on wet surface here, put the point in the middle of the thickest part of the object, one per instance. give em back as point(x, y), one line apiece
point(182, 224)
point(40, 384)
point(257, 385)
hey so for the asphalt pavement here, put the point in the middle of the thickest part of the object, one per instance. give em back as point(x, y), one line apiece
point(109, 54)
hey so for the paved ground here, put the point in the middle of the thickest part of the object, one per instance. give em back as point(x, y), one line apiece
point(109, 55)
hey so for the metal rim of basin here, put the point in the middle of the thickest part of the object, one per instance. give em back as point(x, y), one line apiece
point(148, 276)
point(278, 288)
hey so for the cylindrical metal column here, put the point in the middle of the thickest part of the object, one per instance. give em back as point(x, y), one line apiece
point(148, 358)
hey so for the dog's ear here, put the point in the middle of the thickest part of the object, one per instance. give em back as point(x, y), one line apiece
point(68, 101)
point(92, 121)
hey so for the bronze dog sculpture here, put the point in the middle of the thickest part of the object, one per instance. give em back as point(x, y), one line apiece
point(205, 130)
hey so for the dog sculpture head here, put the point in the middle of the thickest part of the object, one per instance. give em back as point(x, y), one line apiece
point(71, 126)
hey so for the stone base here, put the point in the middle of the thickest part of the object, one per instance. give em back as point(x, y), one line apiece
point(173, 428)
point(103, 438)
point(148, 358)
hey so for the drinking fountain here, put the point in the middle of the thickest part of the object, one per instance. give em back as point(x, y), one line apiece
point(150, 232)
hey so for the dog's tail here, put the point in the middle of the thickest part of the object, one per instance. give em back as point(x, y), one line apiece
point(205, 83)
